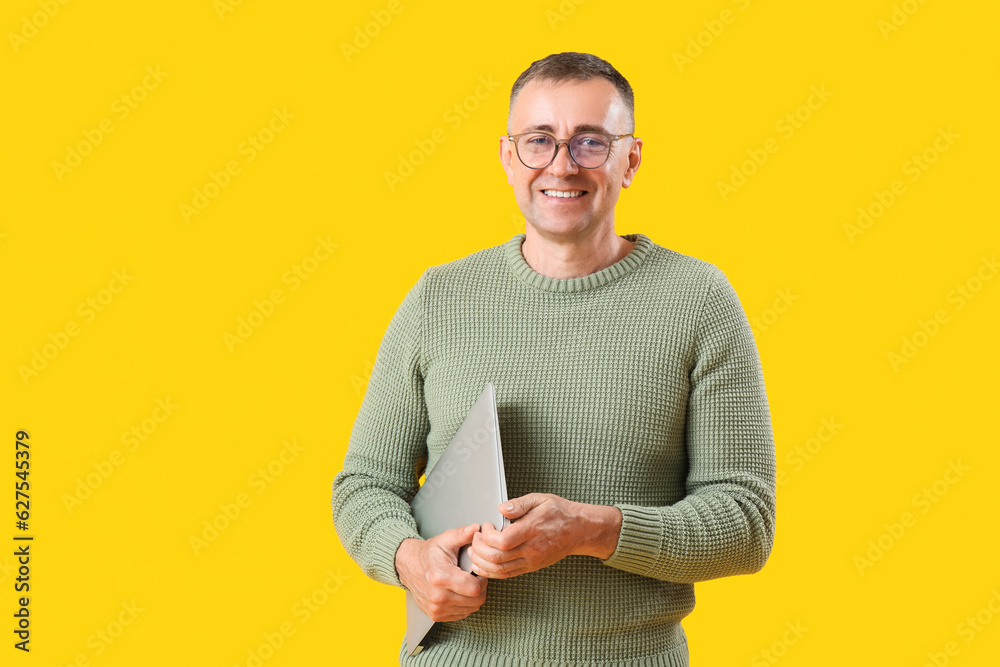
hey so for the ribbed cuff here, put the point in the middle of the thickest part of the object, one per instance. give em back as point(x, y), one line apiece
point(640, 543)
point(448, 655)
point(387, 538)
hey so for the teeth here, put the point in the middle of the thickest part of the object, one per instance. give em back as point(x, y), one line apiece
point(557, 193)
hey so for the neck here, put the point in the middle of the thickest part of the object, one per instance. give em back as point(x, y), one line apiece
point(574, 256)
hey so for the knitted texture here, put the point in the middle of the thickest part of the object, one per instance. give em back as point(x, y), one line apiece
point(637, 386)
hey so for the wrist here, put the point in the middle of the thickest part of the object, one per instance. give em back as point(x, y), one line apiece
point(402, 558)
point(602, 526)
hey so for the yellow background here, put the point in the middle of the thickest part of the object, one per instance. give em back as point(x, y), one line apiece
point(300, 376)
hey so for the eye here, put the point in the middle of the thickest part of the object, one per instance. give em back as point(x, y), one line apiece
point(591, 141)
point(537, 140)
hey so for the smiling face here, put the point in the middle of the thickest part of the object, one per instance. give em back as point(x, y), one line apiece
point(564, 199)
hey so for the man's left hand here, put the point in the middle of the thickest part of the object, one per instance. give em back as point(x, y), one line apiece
point(546, 528)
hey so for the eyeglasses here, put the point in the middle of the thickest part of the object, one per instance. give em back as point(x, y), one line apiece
point(590, 150)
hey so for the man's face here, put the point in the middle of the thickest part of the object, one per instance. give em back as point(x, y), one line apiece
point(563, 109)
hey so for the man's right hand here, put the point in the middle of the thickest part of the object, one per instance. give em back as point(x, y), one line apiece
point(429, 569)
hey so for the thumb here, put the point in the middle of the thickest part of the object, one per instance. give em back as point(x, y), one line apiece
point(453, 539)
point(518, 507)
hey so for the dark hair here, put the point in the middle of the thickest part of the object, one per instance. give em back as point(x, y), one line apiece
point(573, 66)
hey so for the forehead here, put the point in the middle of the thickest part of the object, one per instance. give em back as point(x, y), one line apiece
point(568, 106)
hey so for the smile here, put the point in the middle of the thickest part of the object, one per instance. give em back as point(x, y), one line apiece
point(565, 194)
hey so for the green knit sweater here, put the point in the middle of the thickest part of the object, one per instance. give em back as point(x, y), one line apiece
point(637, 386)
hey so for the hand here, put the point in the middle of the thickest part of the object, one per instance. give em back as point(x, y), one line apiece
point(547, 529)
point(429, 568)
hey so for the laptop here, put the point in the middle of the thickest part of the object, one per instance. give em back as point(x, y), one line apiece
point(466, 486)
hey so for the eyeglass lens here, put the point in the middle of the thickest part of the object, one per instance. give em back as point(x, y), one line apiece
point(539, 149)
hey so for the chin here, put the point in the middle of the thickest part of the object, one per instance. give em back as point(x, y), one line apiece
point(560, 226)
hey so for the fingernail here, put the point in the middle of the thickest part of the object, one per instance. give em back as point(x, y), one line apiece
point(509, 507)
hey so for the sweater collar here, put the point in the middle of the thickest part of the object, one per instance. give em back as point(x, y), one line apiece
point(623, 267)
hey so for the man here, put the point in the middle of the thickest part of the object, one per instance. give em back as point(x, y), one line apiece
point(636, 432)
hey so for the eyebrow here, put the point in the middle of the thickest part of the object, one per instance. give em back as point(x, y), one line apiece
point(578, 128)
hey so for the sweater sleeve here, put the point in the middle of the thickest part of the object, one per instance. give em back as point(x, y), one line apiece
point(725, 523)
point(386, 451)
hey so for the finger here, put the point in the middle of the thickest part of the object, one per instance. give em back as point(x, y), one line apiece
point(482, 555)
point(509, 538)
point(449, 607)
point(452, 615)
point(477, 544)
point(469, 587)
point(486, 571)
point(504, 570)
point(518, 507)
point(482, 539)
point(487, 560)
point(488, 547)
point(454, 539)
point(462, 584)
point(487, 531)
point(442, 612)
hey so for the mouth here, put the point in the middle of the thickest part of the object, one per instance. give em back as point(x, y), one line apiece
point(564, 194)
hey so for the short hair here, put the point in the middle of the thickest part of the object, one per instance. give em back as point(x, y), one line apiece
point(573, 66)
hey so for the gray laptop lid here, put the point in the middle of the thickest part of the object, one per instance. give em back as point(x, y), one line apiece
point(465, 486)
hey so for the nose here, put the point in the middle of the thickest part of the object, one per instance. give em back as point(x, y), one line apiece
point(563, 163)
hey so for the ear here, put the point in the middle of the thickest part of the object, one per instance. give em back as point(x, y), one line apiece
point(506, 154)
point(634, 159)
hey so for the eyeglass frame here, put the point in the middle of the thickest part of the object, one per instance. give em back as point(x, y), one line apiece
point(559, 142)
